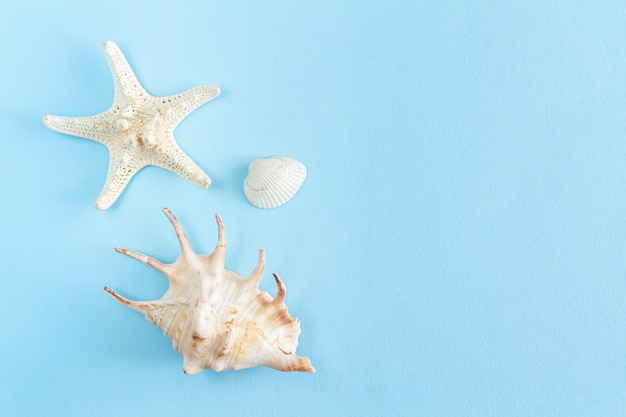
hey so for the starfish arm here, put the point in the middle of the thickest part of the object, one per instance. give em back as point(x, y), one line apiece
point(122, 167)
point(177, 161)
point(180, 105)
point(126, 84)
point(100, 128)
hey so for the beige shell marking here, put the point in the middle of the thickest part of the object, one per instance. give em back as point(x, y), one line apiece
point(217, 319)
point(271, 182)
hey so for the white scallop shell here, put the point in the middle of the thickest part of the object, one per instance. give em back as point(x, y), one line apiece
point(216, 318)
point(271, 182)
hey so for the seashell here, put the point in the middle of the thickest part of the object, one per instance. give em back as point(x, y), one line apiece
point(217, 319)
point(273, 181)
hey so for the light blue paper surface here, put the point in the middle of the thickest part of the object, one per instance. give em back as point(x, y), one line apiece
point(458, 248)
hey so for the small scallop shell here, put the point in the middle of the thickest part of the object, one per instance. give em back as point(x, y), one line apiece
point(273, 181)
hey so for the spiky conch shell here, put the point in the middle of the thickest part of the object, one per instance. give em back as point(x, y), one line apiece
point(217, 319)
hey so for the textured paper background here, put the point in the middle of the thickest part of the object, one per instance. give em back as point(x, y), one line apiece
point(458, 249)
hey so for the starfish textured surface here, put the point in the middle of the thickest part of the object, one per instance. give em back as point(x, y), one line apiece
point(138, 129)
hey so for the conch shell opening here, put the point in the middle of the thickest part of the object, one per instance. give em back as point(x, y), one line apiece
point(216, 318)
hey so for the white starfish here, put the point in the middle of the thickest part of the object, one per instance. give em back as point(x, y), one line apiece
point(138, 129)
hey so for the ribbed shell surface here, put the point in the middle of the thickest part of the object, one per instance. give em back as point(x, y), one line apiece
point(271, 182)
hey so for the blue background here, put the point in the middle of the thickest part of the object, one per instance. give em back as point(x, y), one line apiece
point(458, 248)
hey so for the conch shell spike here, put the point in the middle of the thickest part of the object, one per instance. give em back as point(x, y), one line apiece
point(145, 259)
point(139, 306)
point(185, 246)
point(219, 253)
point(280, 295)
point(257, 272)
point(221, 233)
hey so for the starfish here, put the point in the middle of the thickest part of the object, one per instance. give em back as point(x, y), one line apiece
point(138, 129)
